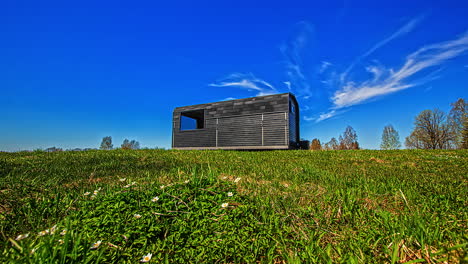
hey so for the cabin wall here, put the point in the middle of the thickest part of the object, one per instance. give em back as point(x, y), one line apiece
point(258, 122)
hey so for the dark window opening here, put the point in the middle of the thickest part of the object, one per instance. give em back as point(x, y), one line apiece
point(292, 107)
point(191, 120)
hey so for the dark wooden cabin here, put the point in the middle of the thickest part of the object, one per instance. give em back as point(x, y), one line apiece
point(263, 122)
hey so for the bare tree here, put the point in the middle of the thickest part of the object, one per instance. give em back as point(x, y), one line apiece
point(390, 138)
point(127, 144)
point(349, 139)
point(464, 142)
point(332, 144)
point(413, 141)
point(106, 143)
point(457, 115)
point(316, 145)
point(431, 131)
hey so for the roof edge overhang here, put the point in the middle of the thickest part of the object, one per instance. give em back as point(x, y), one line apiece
point(240, 99)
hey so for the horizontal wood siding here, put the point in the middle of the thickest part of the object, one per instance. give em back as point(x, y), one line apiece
point(237, 123)
point(240, 131)
point(274, 129)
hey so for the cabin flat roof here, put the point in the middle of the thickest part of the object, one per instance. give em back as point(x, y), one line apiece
point(240, 99)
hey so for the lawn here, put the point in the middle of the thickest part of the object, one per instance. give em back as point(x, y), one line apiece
point(358, 206)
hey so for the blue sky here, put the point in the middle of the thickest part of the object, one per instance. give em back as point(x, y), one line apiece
point(74, 72)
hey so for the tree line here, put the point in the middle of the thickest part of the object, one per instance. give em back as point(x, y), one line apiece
point(433, 129)
point(106, 144)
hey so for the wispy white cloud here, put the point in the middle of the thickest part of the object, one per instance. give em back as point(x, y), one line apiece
point(288, 85)
point(292, 51)
point(229, 98)
point(388, 80)
point(325, 116)
point(405, 29)
point(325, 65)
point(246, 81)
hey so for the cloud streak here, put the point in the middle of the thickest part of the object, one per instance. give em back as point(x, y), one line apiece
point(405, 29)
point(292, 51)
point(325, 116)
point(386, 81)
point(248, 82)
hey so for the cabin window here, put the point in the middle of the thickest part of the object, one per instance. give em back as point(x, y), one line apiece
point(191, 120)
point(292, 107)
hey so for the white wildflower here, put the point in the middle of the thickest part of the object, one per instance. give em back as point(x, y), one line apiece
point(137, 216)
point(229, 194)
point(134, 183)
point(18, 238)
point(237, 180)
point(86, 193)
point(60, 241)
point(224, 205)
point(187, 181)
point(96, 245)
point(53, 229)
point(43, 233)
point(146, 258)
point(64, 232)
point(126, 186)
point(122, 180)
point(155, 199)
point(161, 187)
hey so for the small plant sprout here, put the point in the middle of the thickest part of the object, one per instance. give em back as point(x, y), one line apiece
point(122, 179)
point(20, 237)
point(137, 216)
point(224, 205)
point(229, 194)
point(155, 199)
point(96, 245)
point(146, 258)
point(237, 180)
point(86, 193)
point(64, 232)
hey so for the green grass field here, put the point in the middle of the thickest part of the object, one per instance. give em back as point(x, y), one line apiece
point(234, 207)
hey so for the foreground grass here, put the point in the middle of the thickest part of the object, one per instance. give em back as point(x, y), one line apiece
point(234, 207)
